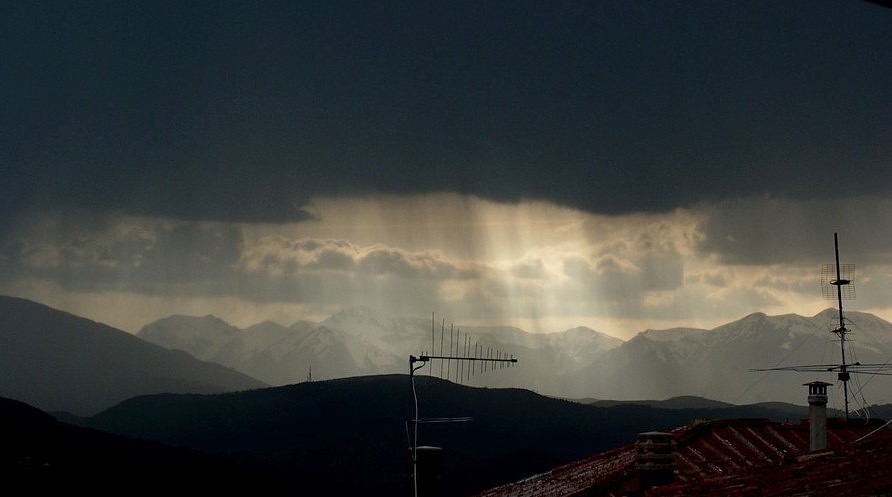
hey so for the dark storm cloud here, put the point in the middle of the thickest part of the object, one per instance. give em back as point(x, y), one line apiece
point(242, 111)
point(283, 258)
point(276, 269)
point(767, 230)
point(212, 259)
point(182, 258)
point(405, 265)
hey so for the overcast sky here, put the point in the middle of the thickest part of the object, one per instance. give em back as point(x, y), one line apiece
point(621, 165)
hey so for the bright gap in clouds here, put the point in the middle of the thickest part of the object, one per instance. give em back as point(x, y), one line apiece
point(535, 265)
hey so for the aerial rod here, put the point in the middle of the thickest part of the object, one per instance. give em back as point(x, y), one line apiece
point(464, 352)
point(461, 364)
point(839, 282)
point(470, 363)
point(448, 362)
point(433, 333)
point(474, 364)
point(442, 332)
point(843, 375)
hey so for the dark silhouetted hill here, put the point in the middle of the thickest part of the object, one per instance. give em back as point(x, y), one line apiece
point(680, 402)
point(349, 436)
point(42, 456)
point(60, 362)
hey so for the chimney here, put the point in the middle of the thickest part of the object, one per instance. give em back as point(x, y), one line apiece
point(817, 415)
point(655, 458)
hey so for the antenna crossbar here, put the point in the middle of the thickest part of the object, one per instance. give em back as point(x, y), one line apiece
point(463, 419)
point(854, 368)
point(425, 358)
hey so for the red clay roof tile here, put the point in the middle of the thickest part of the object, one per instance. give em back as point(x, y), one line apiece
point(742, 457)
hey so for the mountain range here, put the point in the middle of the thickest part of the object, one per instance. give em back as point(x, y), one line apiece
point(78, 398)
point(60, 362)
point(576, 363)
point(717, 363)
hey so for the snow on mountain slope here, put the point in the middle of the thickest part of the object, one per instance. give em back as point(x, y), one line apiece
point(576, 363)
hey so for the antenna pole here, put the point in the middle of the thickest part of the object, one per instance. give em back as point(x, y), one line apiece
point(424, 359)
point(442, 332)
point(412, 369)
point(838, 276)
point(449, 361)
point(843, 372)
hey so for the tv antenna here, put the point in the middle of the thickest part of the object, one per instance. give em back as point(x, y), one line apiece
point(837, 283)
point(461, 356)
point(486, 358)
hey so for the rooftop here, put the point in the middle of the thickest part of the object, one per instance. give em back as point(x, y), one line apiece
point(740, 457)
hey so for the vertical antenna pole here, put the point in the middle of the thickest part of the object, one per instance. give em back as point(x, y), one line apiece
point(430, 372)
point(464, 352)
point(489, 356)
point(442, 332)
point(448, 362)
point(474, 364)
point(843, 372)
point(467, 352)
point(412, 368)
point(461, 367)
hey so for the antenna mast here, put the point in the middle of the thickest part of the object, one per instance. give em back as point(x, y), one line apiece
point(427, 359)
point(839, 283)
point(424, 359)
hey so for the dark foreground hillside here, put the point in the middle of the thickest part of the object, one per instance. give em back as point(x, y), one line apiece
point(57, 361)
point(40, 455)
point(349, 436)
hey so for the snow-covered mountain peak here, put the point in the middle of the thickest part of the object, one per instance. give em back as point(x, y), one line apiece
point(669, 335)
point(828, 313)
point(265, 326)
point(577, 362)
point(201, 336)
point(361, 320)
point(583, 336)
point(194, 326)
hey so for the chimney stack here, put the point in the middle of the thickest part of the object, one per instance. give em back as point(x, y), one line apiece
point(817, 415)
point(656, 458)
